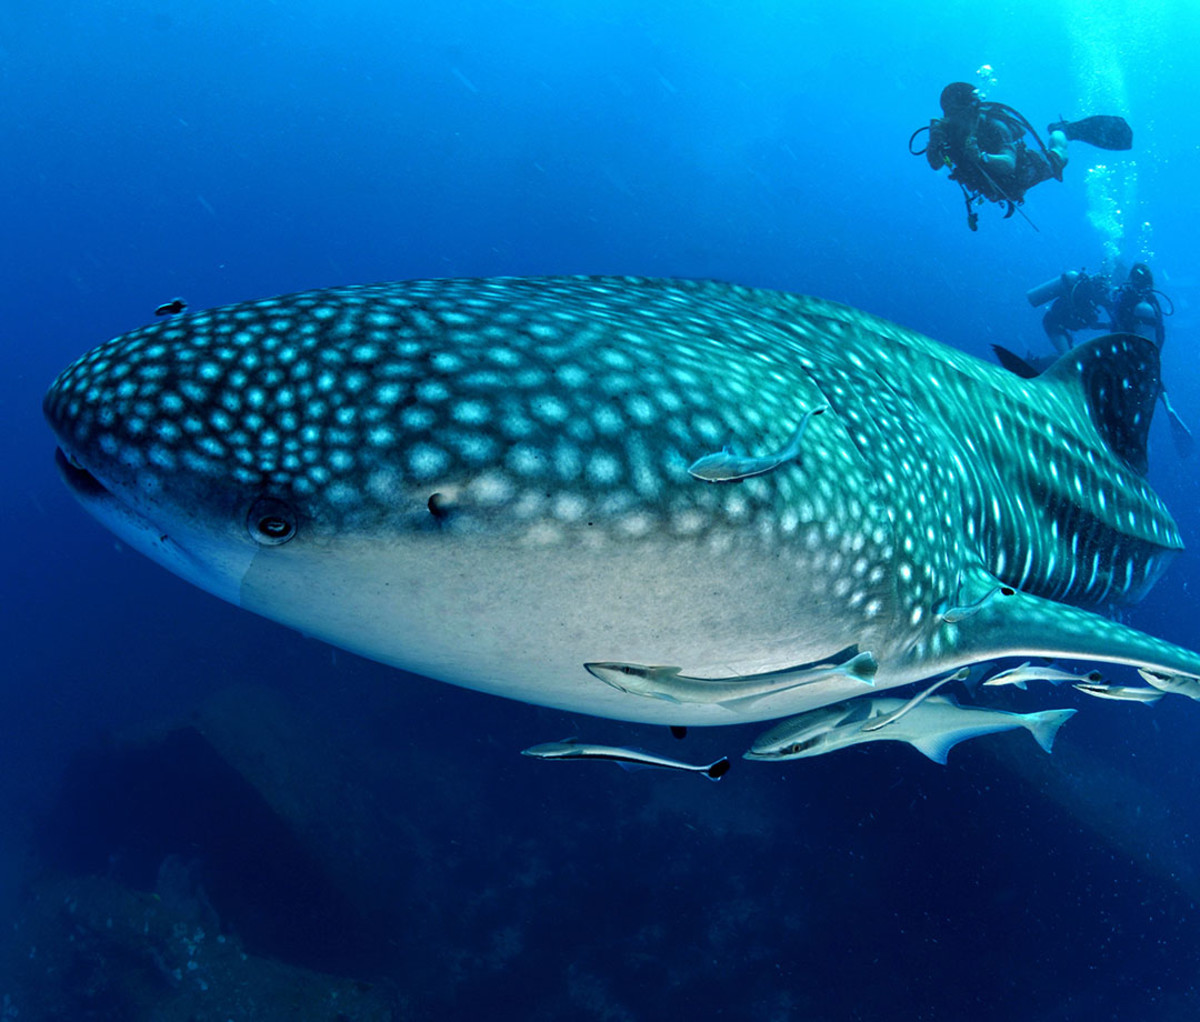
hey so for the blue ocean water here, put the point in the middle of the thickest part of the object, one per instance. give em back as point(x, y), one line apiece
point(224, 152)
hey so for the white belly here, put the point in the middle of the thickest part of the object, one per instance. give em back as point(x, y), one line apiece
point(521, 623)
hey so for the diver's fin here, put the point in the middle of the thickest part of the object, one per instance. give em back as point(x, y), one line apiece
point(1121, 414)
point(1104, 131)
point(1181, 436)
point(1185, 443)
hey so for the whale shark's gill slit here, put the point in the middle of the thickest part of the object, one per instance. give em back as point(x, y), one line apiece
point(882, 424)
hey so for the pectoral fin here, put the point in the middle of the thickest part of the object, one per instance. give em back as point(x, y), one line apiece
point(936, 747)
point(1020, 624)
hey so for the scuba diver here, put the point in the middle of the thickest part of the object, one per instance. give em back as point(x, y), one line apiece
point(1136, 309)
point(1078, 298)
point(983, 144)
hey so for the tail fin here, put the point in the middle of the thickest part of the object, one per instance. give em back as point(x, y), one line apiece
point(715, 771)
point(862, 668)
point(1044, 725)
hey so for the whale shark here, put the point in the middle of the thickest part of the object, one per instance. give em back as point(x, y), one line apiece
point(486, 481)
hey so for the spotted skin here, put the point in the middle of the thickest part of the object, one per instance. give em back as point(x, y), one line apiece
point(487, 481)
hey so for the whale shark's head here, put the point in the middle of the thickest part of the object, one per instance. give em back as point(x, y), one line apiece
point(215, 441)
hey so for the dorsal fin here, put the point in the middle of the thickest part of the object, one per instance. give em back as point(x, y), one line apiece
point(1118, 379)
point(1014, 363)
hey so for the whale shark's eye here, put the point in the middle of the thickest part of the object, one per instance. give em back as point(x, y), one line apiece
point(271, 522)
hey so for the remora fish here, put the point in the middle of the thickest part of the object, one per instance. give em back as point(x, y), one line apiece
point(573, 748)
point(933, 727)
point(171, 308)
point(1027, 672)
point(1179, 684)
point(669, 684)
point(1129, 693)
point(486, 481)
point(727, 467)
point(883, 720)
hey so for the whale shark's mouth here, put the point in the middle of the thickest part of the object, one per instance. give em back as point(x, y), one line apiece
point(108, 506)
point(153, 532)
point(79, 480)
point(105, 504)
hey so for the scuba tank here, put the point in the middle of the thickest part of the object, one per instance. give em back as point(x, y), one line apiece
point(1055, 287)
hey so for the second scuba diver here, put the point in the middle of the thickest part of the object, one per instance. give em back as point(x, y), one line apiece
point(1082, 301)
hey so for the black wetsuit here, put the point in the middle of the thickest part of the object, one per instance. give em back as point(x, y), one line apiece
point(1137, 311)
point(1078, 309)
point(996, 132)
